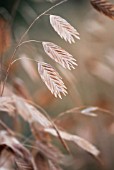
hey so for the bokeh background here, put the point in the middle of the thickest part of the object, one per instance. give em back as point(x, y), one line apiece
point(90, 84)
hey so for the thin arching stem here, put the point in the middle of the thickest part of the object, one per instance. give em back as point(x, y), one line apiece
point(22, 37)
point(29, 41)
point(39, 17)
point(21, 58)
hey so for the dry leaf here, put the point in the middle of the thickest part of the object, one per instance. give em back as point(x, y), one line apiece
point(22, 156)
point(52, 79)
point(64, 29)
point(32, 115)
point(104, 7)
point(29, 113)
point(84, 144)
point(59, 55)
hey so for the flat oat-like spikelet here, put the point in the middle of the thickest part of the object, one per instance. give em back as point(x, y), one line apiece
point(63, 28)
point(59, 55)
point(52, 79)
point(104, 7)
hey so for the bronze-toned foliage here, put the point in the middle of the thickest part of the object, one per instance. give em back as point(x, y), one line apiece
point(104, 7)
point(21, 156)
point(32, 115)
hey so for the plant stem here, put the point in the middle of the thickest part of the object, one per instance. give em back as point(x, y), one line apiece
point(39, 17)
point(23, 58)
point(29, 41)
point(8, 69)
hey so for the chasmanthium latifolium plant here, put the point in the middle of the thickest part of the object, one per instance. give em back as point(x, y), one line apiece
point(48, 74)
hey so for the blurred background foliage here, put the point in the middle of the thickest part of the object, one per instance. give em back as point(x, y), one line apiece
point(90, 84)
